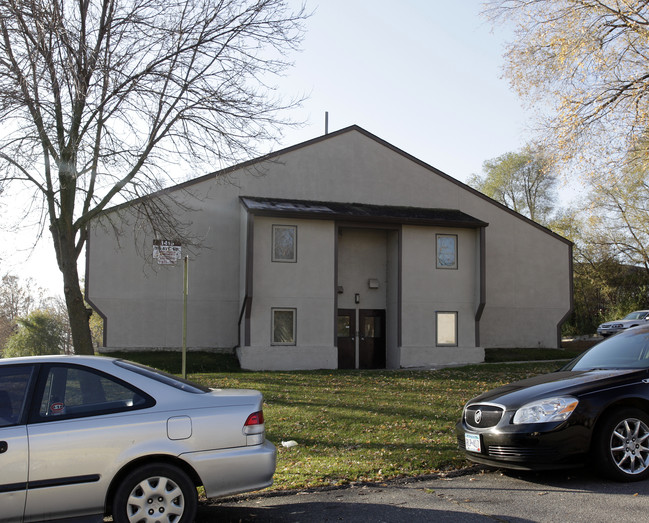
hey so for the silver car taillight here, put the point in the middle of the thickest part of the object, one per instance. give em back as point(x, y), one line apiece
point(254, 428)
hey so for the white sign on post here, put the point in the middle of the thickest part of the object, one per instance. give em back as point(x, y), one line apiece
point(167, 252)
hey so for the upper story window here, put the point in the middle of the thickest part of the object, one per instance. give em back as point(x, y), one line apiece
point(446, 251)
point(284, 243)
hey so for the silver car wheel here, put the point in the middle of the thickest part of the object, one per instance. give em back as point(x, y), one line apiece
point(629, 446)
point(155, 499)
point(159, 492)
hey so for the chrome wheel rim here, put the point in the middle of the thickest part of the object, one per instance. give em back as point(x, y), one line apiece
point(155, 500)
point(629, 446)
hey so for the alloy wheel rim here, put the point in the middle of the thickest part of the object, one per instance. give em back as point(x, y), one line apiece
point(155, 500)
point(629, 446)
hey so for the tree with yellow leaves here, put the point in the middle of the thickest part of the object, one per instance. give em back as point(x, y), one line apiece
point(584, 66)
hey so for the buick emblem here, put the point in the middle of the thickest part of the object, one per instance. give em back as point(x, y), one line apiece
point(477, 416)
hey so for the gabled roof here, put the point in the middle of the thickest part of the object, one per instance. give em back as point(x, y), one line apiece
point(352, 128)
point(359, 212)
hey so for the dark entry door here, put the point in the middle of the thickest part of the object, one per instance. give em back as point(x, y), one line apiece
point(371, 339)
point(346, 338)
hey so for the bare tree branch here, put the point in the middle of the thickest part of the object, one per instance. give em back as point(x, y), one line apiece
point(95, 95)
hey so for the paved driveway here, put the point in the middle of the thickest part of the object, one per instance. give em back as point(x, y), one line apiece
point(481, 496)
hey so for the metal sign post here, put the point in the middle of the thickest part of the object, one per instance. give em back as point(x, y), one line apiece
point(185, 293)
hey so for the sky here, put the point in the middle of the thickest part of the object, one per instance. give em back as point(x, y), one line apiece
point(423, 75)
point(426, 78)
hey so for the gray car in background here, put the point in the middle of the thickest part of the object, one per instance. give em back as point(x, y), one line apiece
point(83, 435)
point(632, 319)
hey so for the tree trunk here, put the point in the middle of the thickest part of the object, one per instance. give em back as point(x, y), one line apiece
point(78, 313)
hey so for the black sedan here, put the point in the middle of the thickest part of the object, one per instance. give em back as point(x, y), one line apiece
point(593, 410)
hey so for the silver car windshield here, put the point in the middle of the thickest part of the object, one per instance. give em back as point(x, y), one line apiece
point(636, 316)
point(627, 350)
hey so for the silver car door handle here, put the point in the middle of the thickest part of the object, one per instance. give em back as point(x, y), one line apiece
point(3, 447)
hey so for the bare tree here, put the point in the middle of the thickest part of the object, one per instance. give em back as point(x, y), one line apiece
point(98, 96)
point(618, 206)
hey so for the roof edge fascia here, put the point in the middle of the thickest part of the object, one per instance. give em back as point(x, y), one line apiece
point(457, 182)
point(333, 134)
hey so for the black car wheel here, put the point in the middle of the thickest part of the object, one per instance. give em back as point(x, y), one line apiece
point(155, 493)
point(622, 445)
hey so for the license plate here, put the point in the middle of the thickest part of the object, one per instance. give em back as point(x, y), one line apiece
point(472, 442)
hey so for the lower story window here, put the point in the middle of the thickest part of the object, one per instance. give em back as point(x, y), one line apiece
point(283, 326)
point(446, 329)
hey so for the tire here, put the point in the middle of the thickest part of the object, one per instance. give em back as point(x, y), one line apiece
point(622, 445)
point(155, 493)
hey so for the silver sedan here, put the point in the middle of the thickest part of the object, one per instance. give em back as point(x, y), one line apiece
point(632, 319)
point(83, 435)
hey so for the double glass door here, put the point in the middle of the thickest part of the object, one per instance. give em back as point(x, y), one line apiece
point(362, 347)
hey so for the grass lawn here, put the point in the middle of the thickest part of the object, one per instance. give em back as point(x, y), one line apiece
point(356, 425)
point(367, 426)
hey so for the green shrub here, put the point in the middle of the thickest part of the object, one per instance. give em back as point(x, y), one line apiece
point(40, 333)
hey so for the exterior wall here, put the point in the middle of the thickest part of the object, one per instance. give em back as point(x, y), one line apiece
point(143, 301)
point(245, 222)
point(362, 254)
point(528, 271)
point(525, 299)
point(393, 316)
point(369, 254)
point(528, 280)
point(428, 290)
point(306, 285)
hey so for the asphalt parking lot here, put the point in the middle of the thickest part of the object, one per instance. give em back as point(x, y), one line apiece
point(480, 496)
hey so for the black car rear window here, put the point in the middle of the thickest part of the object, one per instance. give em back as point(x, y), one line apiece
point(163, 377)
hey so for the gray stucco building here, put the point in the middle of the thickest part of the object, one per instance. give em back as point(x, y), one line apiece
point(341, 252)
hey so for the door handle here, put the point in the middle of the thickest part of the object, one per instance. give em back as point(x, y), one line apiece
point(3, 447)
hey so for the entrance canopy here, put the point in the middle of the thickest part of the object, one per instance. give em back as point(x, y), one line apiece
point(359, 212)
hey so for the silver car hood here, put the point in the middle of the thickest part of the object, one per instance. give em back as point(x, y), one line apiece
point(624, 323)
